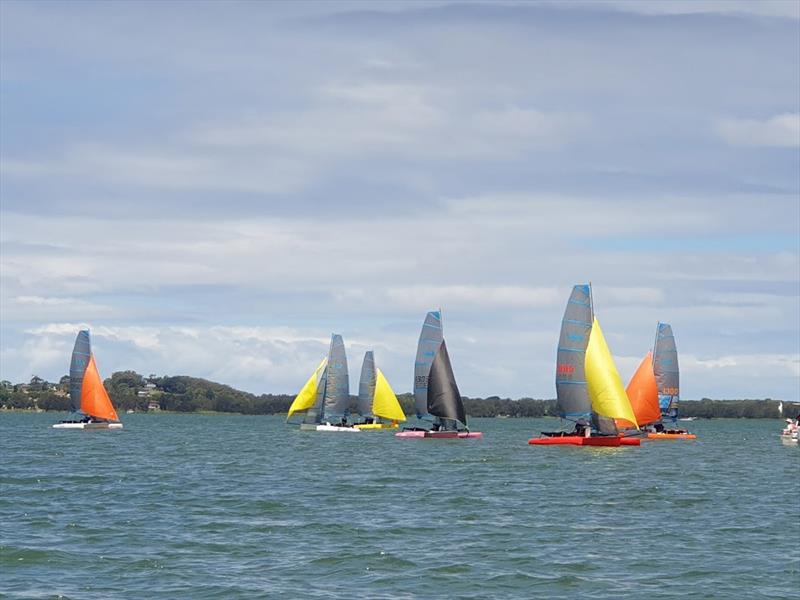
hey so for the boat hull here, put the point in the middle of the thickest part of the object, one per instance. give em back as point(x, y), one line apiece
point(376, 426)
point(410, 434)
point(670, 436)
point(87, 426)
point(441, 435)
point(789, 439)
point(326, 427)
point(574, 440)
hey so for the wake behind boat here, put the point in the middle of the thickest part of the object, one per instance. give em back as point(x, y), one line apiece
point(436, 397)
point(87, 394)
point(326, 394)
point(588, 387)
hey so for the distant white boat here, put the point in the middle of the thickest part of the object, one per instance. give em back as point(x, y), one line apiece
point(688, 419)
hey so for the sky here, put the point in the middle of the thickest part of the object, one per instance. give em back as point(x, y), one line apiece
point(214, 188)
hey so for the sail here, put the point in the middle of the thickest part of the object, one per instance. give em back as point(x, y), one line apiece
point(366, 385)
point(430, 338)
point(337, 380)
point(385, 404)
point(77, 366)
point(573, 398)
point(602, 379)
point(94, 398)
point(444, 399)
point(643, 394)
point(665, 367)
point(308, 394)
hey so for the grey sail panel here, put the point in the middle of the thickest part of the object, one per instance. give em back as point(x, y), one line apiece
point(604, 425)
point(337, 381)
point(77, 367)
point(666, 370)
point(430, 338)
point(573, 397)
point(444, 399)
point(366, 385)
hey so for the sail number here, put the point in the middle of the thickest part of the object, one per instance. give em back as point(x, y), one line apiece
point(565, 369)
point(669, 391)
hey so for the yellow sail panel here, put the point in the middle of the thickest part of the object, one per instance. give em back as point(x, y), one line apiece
point(602, 379)
point(385, 403)
point(307, 396)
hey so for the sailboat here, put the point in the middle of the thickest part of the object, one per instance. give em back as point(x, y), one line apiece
point(324, 400)
point(654, 390)
point(377, 402)
point(588, 386)
point(87, 395)
point(436, 396)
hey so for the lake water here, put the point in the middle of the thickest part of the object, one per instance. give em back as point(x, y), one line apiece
point(191, 506)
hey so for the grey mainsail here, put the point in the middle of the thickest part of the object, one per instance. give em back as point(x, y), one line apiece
point(77, 367)
point(665, 368)
point(430, 338)
point(573, 397)
point(366, 385)
point(337, 380)
point(444, 399)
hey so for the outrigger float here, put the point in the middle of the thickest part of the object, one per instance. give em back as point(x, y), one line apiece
point(588, 387)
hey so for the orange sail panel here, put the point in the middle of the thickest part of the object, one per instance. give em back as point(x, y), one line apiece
point(643, 393)
point(94, 398)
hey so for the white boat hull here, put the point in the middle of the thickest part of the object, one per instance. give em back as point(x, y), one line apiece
point(87, 426)
point(325, 427)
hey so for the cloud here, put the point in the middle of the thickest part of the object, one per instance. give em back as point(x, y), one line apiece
point(219, 193)
point(778, 131)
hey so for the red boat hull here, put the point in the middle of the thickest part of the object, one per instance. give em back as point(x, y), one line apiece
point(574, 440)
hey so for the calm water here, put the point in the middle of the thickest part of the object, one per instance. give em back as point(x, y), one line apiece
point(194, 506)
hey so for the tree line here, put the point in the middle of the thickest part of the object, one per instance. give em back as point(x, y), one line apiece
point(131, 391)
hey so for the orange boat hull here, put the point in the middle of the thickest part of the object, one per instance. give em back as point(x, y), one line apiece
point(671, 436)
